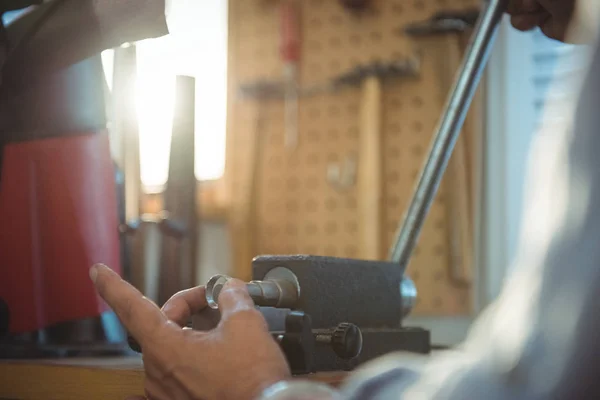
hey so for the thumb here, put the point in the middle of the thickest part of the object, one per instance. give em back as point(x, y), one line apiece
point(238, 311)
point(234, 297)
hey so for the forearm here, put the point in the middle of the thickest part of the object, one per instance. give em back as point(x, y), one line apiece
point(372, 381)
point(78, 29)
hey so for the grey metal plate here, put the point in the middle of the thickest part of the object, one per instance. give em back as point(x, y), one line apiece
point(334, 290)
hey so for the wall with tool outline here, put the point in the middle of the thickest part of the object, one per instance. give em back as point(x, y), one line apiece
point(305, 200)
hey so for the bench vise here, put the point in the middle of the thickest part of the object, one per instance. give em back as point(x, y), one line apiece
point(332, 314)
point(328, 314)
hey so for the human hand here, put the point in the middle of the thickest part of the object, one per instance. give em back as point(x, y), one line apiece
point(551, 16)
point(237, 360)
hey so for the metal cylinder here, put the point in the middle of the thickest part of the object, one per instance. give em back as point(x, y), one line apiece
point(448, 131)
point(279, 289)
point(273, 293)
point(324, 338)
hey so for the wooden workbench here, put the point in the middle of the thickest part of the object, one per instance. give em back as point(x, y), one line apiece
point(89, 379)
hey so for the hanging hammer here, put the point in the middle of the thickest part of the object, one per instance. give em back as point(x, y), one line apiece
point(444, 22)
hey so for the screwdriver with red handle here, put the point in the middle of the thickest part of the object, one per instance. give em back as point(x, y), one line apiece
point(290, 54)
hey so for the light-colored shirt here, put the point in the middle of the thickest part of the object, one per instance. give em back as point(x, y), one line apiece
point(539, 340)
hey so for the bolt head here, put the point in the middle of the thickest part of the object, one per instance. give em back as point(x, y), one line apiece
point(347, 341)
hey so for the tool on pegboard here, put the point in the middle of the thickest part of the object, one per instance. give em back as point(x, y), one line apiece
point(447, 28)
point(370, 172)
point(443, 23)
point(369, 78)
point(290, 54)
point(355, 5)
point(405, 67)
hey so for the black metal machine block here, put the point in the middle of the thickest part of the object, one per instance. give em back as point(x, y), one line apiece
point(345, 312)
point(333, 290)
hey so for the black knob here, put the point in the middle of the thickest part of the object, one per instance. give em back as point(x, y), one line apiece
point(346, 340)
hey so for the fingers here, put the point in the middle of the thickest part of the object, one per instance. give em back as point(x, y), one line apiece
point(141, 317)
point(553, 29)
point(516, 7)
point(527, 22)
point(526, 14)
point(531, 5)
point(557, 7)
point(238, 310)
point(234, 297)
point(184, 304)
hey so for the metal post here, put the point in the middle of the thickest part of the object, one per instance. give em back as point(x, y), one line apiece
point(448, 131)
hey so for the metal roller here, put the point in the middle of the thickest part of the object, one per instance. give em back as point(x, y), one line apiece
point(279, 288)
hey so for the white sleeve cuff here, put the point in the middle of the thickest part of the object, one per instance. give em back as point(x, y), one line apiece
point(300, 390)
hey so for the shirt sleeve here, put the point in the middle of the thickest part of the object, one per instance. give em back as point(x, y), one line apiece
point(540, 339)
point(77, 29)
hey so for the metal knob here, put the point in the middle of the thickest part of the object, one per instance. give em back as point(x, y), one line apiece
point(346, 340)
point(213, 288)
point(280, 289)
point(408, 293)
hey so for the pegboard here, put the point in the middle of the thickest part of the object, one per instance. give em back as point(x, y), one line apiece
point(294, 207)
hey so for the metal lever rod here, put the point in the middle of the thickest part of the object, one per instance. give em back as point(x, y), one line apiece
point(448, 130)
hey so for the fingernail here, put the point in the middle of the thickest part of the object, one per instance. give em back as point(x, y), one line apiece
point(235, 283)
point(94, 273)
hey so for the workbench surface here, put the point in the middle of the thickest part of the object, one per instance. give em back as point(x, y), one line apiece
point(89, 379)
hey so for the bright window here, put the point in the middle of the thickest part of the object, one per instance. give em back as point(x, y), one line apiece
point(197, 47)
